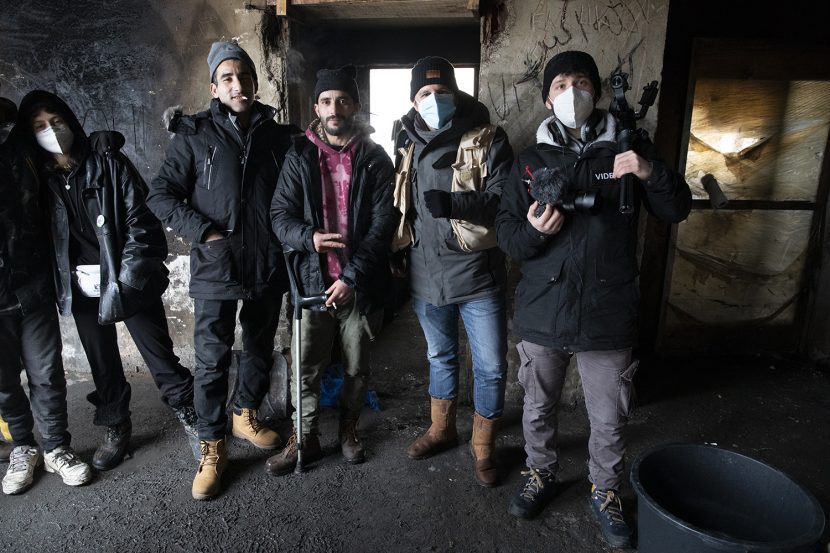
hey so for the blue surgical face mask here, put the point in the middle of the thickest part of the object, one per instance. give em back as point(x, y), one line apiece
point(437, 109)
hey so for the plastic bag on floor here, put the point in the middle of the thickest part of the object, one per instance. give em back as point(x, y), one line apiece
point(331, 384)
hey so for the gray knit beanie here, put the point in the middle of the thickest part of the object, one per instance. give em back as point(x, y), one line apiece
point(221, 51)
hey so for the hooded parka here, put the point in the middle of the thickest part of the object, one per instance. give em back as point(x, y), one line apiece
point(297, 211)
point(441, 272)
point(131, 240)
point(213, 178)
point(578, 289)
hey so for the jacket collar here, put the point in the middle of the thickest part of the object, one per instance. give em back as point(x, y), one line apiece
point(219, 113)
point(606, 131)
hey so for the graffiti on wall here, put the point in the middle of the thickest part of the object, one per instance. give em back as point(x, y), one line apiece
point(614, 32)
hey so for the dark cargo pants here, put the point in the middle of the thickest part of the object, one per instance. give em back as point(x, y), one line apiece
point(606, 380)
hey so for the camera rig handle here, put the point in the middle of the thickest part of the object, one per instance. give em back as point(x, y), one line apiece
point(628, 126)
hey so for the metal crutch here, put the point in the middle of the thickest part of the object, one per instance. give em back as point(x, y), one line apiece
point(291, 262)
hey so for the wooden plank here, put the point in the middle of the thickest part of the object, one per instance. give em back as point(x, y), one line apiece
point(765, 205)
point(473, 6)
point(282, 8)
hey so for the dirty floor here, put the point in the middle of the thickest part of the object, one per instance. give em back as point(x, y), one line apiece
point(772, 409)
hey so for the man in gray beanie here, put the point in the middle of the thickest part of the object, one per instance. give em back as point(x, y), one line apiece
point(578, 292)
point(214, 190)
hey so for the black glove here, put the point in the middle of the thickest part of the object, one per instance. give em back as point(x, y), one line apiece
point(106, 142)
point(439, 203)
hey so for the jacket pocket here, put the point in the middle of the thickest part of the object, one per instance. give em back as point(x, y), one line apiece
point(627, 393)
point(537, 300)
point(213, 262)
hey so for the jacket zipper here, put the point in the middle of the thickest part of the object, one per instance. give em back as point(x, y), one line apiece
point(246, 145)
point(209, 164)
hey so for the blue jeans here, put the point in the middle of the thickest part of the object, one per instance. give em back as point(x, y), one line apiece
point(486, 325)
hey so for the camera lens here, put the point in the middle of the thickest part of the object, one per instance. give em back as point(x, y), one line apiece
point(590, 203)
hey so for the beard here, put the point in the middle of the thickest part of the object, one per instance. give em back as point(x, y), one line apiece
point(345, 127)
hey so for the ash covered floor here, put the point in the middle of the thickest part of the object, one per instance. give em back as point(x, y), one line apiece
point(771, 409)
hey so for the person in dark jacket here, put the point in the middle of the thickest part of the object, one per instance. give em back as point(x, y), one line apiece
point(446, 281)
point(578, 293)
point(30, 337)
point(333, 206)
point(214, 189)
point(108, 252)
point(8, 114)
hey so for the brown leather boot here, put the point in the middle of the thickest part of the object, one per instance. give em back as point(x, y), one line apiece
point(207, 482)
point(441, 434)
point(285, 461)
point(482, 446)
point(349, 443)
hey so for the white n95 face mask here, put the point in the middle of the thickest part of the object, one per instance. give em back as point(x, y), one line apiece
point(573, 107)
point(55, 140)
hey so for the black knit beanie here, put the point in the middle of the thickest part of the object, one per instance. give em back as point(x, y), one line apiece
point(432, 70)
point(572, 61)
point(337, 79)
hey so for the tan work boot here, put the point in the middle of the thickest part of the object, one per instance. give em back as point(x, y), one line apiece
point(483, 446)
point(214, 459)
point(246, 426)
point(441, 434)
point(285, 461)
point(349, 443)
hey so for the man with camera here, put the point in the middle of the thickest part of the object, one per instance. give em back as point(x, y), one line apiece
point(578, 294)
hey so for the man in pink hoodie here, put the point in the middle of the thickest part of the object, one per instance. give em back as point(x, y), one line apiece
point(333, 205)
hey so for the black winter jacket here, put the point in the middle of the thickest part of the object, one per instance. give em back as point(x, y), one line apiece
point(578, 289)
point(441, 273)
point(297, 211)
point(213, 179)
point(131, 240)
point(25, 266)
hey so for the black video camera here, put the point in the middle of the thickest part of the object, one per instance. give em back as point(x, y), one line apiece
point(552, 186)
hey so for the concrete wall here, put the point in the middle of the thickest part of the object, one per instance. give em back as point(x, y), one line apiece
point(629, 34)
point(119, 64)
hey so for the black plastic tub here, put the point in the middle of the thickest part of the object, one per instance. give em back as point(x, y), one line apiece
point(701, 498)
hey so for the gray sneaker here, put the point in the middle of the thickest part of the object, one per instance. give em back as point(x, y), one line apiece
point(64, 462)
point(21, 471)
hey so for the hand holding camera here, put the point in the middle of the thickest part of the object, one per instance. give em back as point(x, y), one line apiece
point(553, 187)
